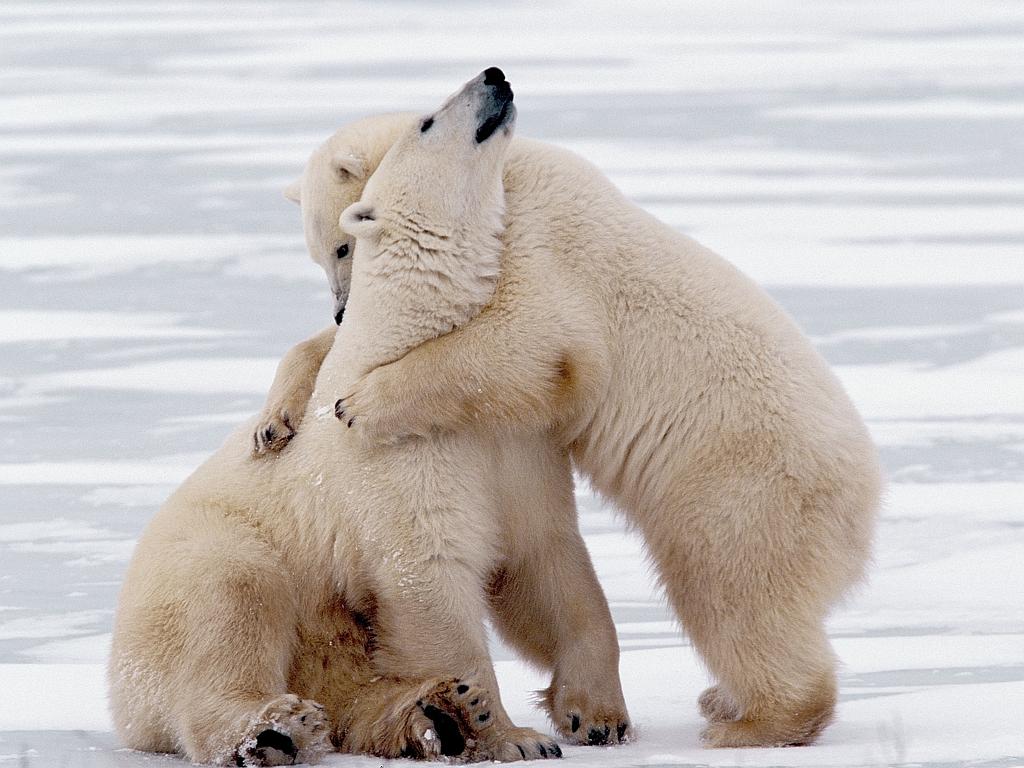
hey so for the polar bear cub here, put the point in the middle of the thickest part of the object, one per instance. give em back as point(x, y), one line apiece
point(334, 595)
point(685, 395)
point(573, 640)
point(479, 522)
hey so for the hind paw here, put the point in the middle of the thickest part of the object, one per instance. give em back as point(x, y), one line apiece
point(716, 705)
point(449, 719)
point(756, 733)
point(285, 731)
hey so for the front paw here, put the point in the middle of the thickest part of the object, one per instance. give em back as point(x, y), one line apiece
point(369, 408)
point(513, 744)
point(584, 716)
point(273, 432)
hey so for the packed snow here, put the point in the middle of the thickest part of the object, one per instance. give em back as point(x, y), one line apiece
point(865, 162)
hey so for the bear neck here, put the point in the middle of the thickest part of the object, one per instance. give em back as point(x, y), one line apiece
point(423, 285)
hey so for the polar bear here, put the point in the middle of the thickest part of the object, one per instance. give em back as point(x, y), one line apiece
point(683, 392)
point(335, 594)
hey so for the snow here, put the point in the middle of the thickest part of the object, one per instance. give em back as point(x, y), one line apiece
point(175, 375)
point(73, 693)
point(19, 326)
point(162, 470)
point(991, 384)
point(932, 109)
point(88, 256)
point(877, 724)
point(863, 161)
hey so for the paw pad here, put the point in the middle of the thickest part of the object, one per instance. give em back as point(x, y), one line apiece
point(448, 733)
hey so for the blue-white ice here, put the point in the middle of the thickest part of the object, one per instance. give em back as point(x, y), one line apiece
point(864, 161)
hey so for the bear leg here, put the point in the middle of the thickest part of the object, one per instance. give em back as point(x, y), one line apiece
point(449, 610)
point(755, 613)
point(290, 392)
point(550, 607)
point(776, 677)
point(434, 719)
point(206, 642)
point(548, 604)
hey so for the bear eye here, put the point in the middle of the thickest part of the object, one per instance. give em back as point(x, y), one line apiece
point(342, 250)
point(425, 126)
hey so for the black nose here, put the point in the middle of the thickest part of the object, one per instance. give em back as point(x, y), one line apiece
point(493, 76)
point(339, 315)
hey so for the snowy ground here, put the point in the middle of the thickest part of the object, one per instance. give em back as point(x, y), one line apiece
point(865, 161)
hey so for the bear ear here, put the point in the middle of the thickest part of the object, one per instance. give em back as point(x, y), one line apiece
point(293, 192)
point(348, 167)
point(359, 220)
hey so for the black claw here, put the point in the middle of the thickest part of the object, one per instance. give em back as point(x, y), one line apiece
point(556, 750)
point(339, 409)
point(462, 688)
point(598, 735)
point(575, 723)
point(484, 717)
point(474, 702)
point(621, 730)
point(521, 752)
point(352, 421)
point(543, 752)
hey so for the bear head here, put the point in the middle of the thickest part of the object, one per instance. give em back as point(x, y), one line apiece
point(333, 179)
point(433, 211)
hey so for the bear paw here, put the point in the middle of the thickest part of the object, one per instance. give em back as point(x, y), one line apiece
point(285, 731)
point(273, 431)
point(787, 732)
point(716, 705)
point(373, 409)
point(513, 744)
point(583, 718)
point(450, 719)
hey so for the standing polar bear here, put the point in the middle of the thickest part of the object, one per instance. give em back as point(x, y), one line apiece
point(683, 392)
point(334, 595)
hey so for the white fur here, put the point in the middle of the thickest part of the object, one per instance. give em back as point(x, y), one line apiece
point(689, 398)
point(359, 574)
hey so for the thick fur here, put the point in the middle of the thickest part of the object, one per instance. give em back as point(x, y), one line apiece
point(688, 397)
point(224, 632)
point(339, 589)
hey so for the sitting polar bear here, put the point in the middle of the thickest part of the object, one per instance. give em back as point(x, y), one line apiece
point(682, 391)
point(335, 594)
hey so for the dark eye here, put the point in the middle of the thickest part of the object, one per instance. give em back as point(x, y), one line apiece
point(426, 125)
point(342, 250)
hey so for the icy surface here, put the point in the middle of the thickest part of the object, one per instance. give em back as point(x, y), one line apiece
point(863, 161)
